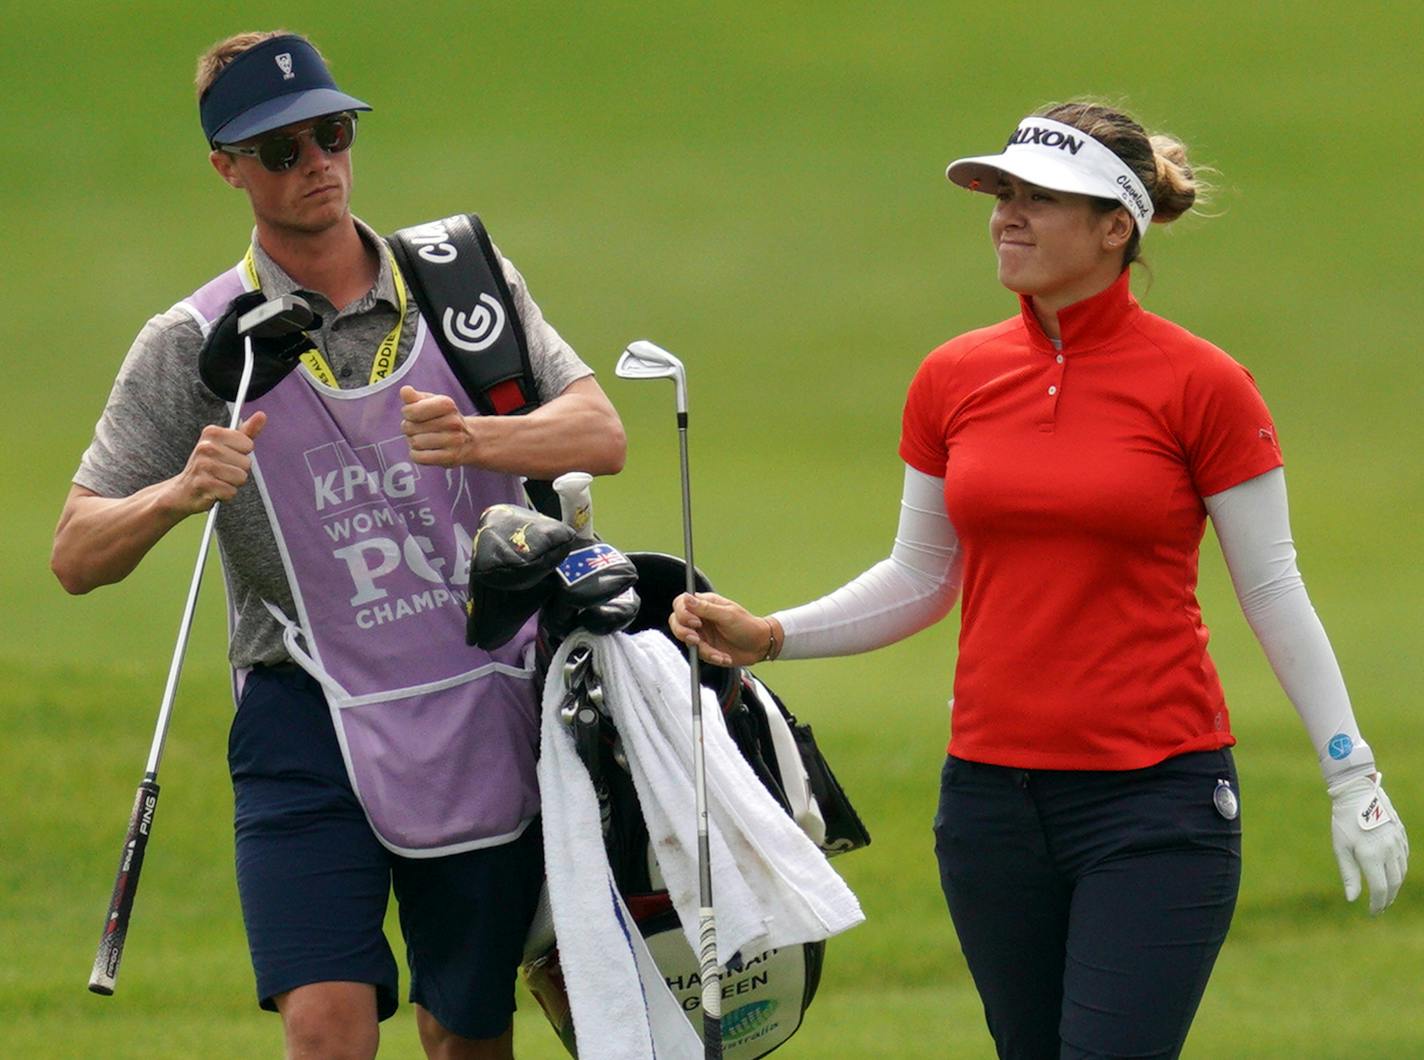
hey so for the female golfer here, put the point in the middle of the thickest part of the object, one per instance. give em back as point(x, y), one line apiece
point(1060, 467)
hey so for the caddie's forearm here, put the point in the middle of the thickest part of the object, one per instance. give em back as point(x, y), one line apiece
point(577, 431)
point(100, 540)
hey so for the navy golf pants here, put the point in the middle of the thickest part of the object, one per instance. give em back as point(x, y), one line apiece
point(1090, 906)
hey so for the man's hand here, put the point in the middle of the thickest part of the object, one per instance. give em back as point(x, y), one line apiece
point(1369, 840)
point(100, 540)
point(437, 432)
point(576, 431)
point(217, 467)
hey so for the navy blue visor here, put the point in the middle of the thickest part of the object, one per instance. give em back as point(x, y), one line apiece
point(278, 82)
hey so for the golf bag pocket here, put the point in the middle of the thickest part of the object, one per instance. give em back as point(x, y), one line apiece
point(790, 772)
point(783, 752)
point(844, 828)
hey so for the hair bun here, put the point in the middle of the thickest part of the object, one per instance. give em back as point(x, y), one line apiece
point(1174, 186)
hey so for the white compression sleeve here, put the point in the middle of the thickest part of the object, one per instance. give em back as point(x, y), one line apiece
point(1252, 522)
point(914, 588)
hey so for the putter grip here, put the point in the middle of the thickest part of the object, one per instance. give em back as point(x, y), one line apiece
point(116, 924)
point(576, 502)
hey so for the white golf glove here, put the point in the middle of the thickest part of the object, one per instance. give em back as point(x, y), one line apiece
point(1369, 838)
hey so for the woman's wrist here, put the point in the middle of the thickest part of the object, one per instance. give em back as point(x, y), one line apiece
point(775, 639)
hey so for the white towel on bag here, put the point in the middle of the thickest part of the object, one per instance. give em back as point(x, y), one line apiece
point(771, 886)
point(600, 949)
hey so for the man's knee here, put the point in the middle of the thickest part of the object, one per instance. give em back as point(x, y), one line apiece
point(330, 1021)
point(441, 1043)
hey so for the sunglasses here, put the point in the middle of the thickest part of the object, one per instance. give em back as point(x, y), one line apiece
point(279, 151)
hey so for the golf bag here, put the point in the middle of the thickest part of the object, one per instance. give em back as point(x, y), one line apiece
point(765, 994)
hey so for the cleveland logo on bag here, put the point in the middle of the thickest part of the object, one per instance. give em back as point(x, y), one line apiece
point(475, 330)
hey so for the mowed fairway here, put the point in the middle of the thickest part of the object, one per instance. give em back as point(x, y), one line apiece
point(759, 188)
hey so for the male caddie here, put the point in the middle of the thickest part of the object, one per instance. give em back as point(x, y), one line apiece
point(371, 748)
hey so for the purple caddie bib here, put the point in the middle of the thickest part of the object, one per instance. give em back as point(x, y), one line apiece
point(440, 738)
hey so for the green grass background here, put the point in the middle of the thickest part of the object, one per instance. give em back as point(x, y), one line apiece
point(757, 186)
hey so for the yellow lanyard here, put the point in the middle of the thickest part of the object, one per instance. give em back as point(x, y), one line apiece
point(385, 360)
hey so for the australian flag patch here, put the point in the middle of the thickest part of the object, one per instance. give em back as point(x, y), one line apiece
point(583, 562)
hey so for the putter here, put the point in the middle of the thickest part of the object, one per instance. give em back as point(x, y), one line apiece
point(278, 316)
point(647, 360)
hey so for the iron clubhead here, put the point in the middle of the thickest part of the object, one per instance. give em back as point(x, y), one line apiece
point(647, 360)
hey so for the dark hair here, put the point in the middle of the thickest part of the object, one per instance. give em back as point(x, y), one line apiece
point(1159, 160)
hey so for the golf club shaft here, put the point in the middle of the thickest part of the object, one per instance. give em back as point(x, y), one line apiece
point(185, 625)
point(104, 976)
point(646, 360)
point(706, 913)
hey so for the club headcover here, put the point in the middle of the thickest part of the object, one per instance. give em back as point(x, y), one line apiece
point(516, 547)
point(611, 615)
point(594, 573)
point(496, 615)
point(273, 356)
point(593, 590)
point(511, 571)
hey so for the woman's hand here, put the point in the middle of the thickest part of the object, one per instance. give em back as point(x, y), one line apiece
point(724, 632)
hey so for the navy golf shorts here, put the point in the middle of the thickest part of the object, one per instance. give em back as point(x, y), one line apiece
point(1090, 906)
point(314, 881)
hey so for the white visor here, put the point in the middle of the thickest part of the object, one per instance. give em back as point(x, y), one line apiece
point(1059, 157)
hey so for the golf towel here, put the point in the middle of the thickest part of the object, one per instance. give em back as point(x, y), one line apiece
point(622, 1009)
point(771, 886)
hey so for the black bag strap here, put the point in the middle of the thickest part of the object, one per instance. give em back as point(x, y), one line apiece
point(456, 279)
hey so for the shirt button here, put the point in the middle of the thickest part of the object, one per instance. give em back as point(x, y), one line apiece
point(1052, 390)
point(1059, 358)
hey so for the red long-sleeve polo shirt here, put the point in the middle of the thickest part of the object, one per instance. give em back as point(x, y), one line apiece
point(1074, 479)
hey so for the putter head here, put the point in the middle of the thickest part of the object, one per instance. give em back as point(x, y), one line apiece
point(647, 360)
point(277, 316)
point(276, 325)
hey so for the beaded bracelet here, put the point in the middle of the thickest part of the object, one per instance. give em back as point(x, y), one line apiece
point(771, 649)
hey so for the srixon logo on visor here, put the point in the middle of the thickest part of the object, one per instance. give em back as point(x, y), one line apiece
point(1032, 134)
